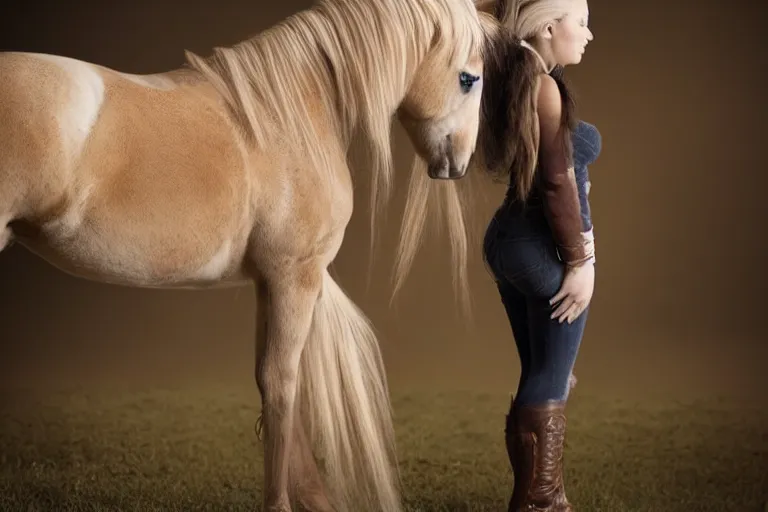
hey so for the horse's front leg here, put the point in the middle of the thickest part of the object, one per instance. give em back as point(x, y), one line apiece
point(303, 478)
point(291, 299)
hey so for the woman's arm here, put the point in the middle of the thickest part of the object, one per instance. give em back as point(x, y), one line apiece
point(557, 179)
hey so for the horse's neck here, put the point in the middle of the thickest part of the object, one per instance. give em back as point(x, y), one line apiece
point(317, 76)
point(365, 78)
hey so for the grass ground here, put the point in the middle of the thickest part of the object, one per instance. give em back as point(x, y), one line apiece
point(190, 450)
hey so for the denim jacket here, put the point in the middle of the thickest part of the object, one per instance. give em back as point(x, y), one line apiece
point(586, 148)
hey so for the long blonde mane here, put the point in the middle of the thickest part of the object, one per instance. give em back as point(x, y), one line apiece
point(457, 207)
point(356, 57)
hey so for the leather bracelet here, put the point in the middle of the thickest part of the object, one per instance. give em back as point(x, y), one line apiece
point(588, 241)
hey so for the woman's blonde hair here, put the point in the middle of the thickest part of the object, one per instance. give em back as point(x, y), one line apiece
point(508, 141)
point(525, 18)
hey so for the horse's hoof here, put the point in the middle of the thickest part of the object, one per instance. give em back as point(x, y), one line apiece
point(281, 506)
point(315, 504)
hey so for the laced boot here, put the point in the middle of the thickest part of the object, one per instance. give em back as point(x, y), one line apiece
point(535, 438)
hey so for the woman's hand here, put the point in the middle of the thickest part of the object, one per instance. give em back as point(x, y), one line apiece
point(575, 293)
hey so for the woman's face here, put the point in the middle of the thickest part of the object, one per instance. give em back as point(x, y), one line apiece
point(570, 36)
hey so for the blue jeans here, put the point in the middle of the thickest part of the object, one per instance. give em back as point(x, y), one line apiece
point(521, 254)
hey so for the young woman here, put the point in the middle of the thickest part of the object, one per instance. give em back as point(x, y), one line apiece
point(539, 244)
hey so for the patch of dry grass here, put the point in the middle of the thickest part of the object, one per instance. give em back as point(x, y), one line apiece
point(192, 450)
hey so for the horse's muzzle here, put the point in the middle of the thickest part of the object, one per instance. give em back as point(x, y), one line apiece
point(446, 169)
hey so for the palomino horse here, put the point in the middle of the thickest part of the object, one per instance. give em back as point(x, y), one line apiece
point(235, 167)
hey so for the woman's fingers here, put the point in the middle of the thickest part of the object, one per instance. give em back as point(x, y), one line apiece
point(563, 308)
point(575, 311)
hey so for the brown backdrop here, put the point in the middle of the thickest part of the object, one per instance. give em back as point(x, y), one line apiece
point(678, 204)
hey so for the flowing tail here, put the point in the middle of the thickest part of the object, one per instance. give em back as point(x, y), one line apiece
point(344, 399)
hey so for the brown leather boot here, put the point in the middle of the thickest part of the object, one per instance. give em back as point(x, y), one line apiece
point(535, 438)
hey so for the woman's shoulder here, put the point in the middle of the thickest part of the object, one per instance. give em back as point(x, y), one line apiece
point(549, 105)
point(549, 100)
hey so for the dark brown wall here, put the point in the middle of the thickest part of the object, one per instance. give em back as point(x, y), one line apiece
point(676, 89)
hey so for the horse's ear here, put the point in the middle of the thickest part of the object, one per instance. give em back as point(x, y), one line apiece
point(486, 6)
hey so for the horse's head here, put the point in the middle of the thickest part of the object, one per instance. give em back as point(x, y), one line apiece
point(441, 109)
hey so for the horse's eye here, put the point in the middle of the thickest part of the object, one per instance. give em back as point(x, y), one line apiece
point(467, 80)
